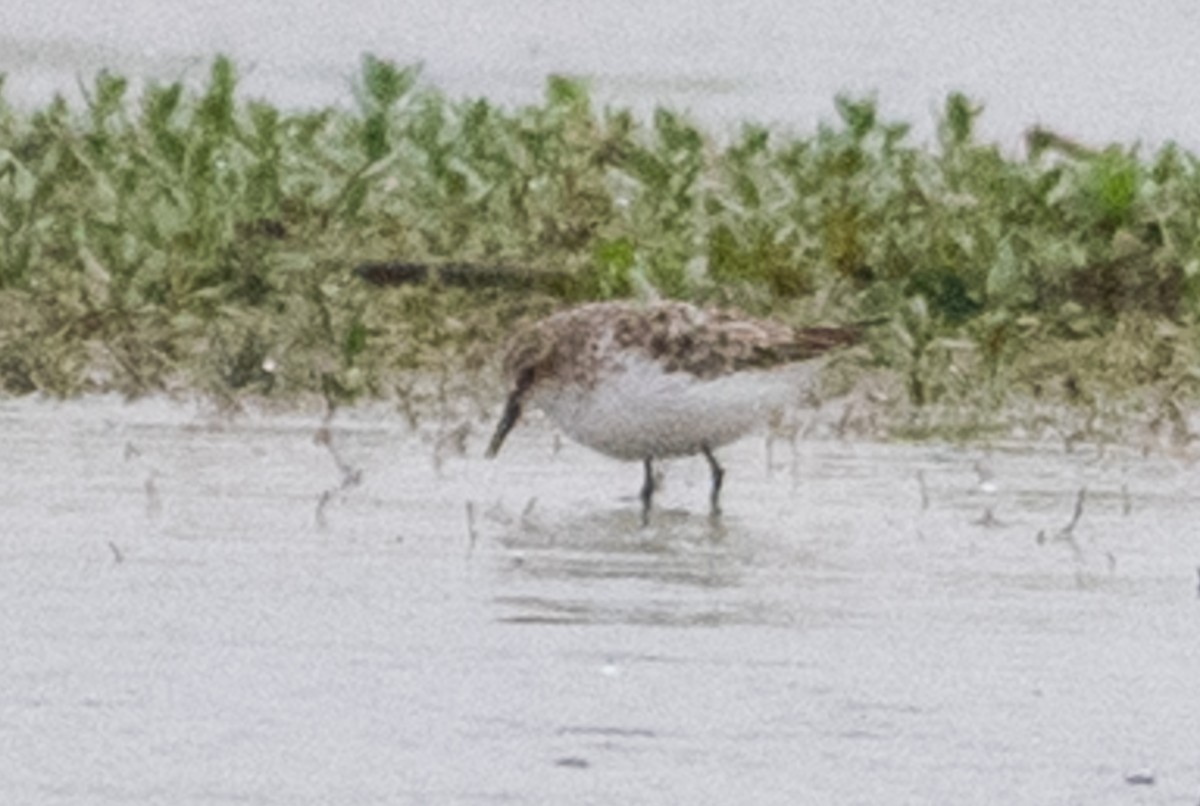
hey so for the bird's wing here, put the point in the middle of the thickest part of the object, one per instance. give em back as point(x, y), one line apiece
point(714, 343)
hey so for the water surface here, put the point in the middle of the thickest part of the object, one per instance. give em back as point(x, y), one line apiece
point(185, 622)
point(1101, 72)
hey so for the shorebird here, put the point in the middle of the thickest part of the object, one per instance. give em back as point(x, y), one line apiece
point(642, 382)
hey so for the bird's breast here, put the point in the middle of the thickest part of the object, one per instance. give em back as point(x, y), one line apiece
point(635, 408)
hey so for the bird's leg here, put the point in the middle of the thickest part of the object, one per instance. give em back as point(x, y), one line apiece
point(647, 491)
point(718, 475)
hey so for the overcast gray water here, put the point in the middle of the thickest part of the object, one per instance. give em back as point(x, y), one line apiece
point(184, 622)
point(1101, 72)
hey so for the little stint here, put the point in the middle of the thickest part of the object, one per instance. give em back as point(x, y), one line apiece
point(641, 382)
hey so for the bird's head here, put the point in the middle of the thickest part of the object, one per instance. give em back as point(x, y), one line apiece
point(526, 362)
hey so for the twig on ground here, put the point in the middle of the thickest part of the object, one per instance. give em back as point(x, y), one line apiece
point(351, 476)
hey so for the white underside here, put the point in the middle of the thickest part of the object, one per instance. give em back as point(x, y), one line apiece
point(639, 411)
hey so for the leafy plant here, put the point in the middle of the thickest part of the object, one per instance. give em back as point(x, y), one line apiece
point(191, 238)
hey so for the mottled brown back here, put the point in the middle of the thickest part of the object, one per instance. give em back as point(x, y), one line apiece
point(708, 344)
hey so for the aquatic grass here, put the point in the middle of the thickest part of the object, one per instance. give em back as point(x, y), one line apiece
point(191, 239)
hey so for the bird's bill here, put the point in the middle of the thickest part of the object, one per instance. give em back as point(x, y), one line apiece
point(512, 413)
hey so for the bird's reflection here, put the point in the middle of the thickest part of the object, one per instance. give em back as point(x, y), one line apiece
point(605, 567)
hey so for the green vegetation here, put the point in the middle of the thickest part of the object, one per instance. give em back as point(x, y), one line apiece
point(197, 241)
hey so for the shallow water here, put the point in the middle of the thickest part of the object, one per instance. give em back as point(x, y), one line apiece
point(185, 623)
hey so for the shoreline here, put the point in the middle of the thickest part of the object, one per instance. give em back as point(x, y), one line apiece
point(194, 240)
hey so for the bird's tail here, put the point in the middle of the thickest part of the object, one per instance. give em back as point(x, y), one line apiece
point(810, 342)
